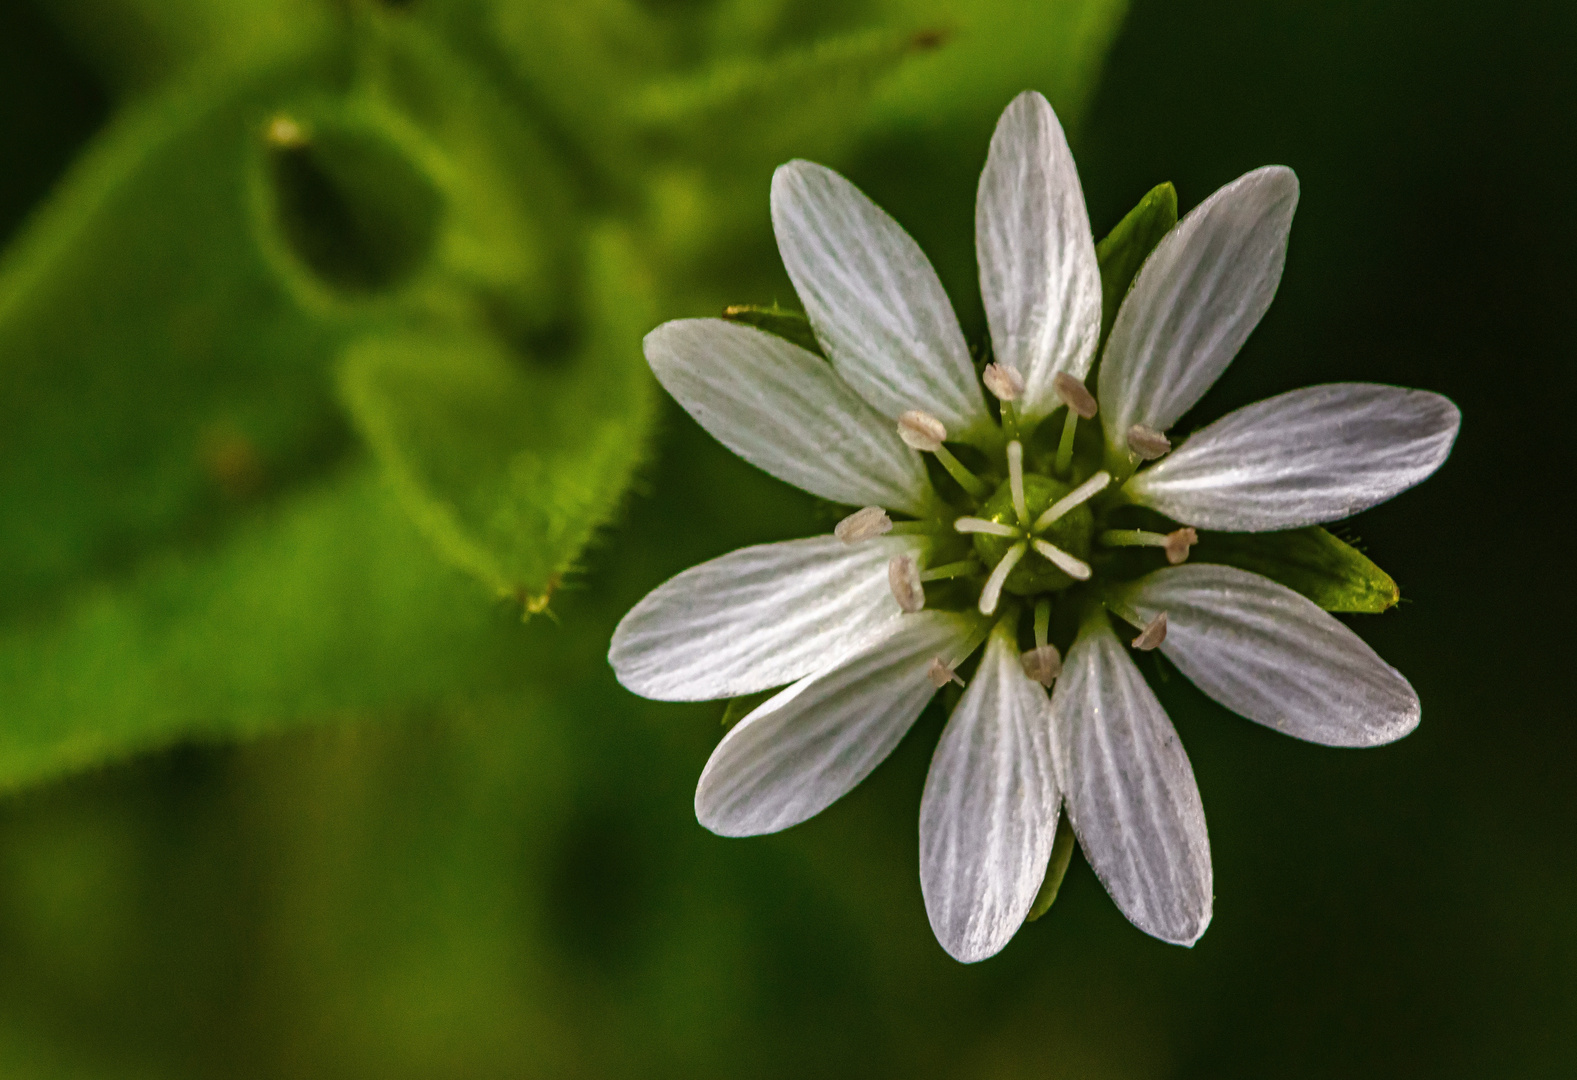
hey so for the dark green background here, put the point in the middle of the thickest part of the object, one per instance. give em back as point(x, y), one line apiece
point(520, 888)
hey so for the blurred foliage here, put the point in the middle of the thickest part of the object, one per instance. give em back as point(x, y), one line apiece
point(245, 359)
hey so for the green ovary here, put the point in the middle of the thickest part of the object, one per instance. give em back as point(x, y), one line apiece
point(1072, 533)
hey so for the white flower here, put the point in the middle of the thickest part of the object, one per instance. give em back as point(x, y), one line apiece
point(845, 620)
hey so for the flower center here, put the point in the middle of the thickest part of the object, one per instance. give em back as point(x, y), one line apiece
point(1072, 532)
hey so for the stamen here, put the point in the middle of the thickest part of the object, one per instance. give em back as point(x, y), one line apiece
point(948, 571)
point(1153, 633)
point(1175, 543)
point(1148, 443)
point(1075, 394)
point(984, 525)
point(903, 577)
point(1005, 382)
point(1042, 663)
point(922, 431)
point(1178, 543)
point(992, 593)
point(1042, 622)
point(1074, 567)
point(1070, 427)
point(955, 468)
point(1077, 497)
point(941, 673)
point(863, 525)
point(1016, 480)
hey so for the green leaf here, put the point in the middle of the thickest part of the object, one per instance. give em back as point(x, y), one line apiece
point(507, 463)
point(137, 44)
point(331, 608)
point(1128, 245)
point(1056, 869)
point(158, 378)
point(787, 324)
point(756, 113)
point(1333, 574)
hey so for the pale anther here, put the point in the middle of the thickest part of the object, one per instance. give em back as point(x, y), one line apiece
point(1153, 633)
point(1077, 497)
point(1177, 544)
point(992, 593)
point(863, 525)
point(1042, 663)
point(1075, 394)
point(1016, 480)
point(922, 431)
point(1005, 382)
point(1148, 443)
point(903, 577)
point(984, 525)
point(941, 673)
point(1071, 565)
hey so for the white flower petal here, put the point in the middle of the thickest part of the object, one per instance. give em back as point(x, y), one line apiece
point(805, 748)
point(877, 307)
point(1129, 789)
point(1196, 300)
point(1317, 454)
point(989, 813)
point(757, 618)
point(784, 410)
point(1038, 273)
point(1273, 656)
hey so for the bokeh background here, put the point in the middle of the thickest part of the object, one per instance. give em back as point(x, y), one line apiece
point(493, 868)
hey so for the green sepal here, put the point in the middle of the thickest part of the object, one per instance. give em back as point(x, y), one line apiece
point(785, 323)
point(1128, 245)
point(1334, 574)
point(736, 709)
point(1061, 855)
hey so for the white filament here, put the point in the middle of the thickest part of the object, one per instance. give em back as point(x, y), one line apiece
point(992, 593)
point(1077, 497)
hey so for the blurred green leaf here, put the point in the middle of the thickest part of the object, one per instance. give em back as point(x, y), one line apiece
point(1129, 244)
point(137, 44)
point(754, 113)
point(1335, 575)
point(995, 49)
point(331, 608)
point(157, 376)
point(509, 463)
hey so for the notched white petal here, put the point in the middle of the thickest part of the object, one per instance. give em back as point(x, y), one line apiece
point(876, 304)
point(1269, 654)
point(989, 813)
point(784, 410)
point(757, 618)
point(1195, 301)
point(809, 745)
point(1129, 790)
point(1317, 454)
point(1038, 273)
